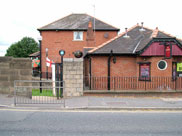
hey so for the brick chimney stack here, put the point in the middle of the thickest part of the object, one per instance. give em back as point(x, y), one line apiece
point(90, 35)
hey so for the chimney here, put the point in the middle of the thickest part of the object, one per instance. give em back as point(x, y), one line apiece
point(155, 32)
point(90, 35)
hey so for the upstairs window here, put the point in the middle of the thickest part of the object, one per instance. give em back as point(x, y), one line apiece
point(78, 36)
point(144, 71)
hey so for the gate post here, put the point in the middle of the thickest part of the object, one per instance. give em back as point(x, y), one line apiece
point(57, 80)
point(53, 79)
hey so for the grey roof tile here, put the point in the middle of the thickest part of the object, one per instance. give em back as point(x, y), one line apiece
point(77, 22)
point(122, 45)
point(137, 41)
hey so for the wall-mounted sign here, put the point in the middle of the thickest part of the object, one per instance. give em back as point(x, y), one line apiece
point(144, 71)
point(179, 67)
point(167, 51)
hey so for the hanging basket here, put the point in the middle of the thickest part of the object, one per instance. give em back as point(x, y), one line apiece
point(78, 54)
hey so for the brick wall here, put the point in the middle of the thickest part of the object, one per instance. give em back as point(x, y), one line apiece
point(124, 66)
point(55, 41)
point(13, 69)
point(155, 72)
point(127, 66)
point(73, 77)
point(125, 71)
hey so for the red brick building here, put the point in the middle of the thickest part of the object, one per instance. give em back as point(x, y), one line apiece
point(73, 33)
point(139, 58)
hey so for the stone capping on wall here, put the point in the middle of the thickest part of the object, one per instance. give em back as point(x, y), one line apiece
point(73, 59)
point(73, 77)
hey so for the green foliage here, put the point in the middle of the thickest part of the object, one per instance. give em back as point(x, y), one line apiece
point(45, 92)
point(23, 48)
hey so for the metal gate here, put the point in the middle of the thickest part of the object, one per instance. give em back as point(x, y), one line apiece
point(38, 92)
point(59, 76)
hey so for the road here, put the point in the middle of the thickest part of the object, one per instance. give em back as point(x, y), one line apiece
point(45, 123)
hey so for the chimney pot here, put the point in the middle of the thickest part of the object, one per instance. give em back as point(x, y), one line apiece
point(90, 24)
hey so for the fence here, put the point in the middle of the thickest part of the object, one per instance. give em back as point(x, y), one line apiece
point(132, 83)
point(38, 92)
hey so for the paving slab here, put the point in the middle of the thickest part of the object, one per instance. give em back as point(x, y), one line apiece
point(94, 102)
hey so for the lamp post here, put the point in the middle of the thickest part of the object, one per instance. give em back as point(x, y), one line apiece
point(46, 64)
point(40, 48)
point(61, 53)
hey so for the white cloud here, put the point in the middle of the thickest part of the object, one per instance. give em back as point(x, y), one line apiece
point(3, 49)
point(21, 18)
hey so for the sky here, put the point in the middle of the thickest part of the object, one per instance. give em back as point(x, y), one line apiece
point(20, 18)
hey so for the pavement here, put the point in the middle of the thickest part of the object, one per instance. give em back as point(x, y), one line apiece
point(102, 103)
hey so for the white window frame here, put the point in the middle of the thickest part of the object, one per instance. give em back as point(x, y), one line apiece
point(74, 36)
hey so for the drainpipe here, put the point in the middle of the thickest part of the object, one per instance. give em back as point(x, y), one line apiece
point(109, 71)
point(90, 72)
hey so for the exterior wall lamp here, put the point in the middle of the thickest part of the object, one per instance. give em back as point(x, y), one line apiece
point(114, 59)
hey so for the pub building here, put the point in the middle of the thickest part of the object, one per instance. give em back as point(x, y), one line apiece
point(137, 55)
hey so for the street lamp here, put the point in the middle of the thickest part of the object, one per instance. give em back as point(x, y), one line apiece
point(40, 48)
point(61, 53)
point(46, 63)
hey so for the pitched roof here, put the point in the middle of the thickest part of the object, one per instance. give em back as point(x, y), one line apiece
point(77, 22)
point(137, 39)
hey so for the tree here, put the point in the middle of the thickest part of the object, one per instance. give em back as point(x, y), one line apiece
point(23, 48)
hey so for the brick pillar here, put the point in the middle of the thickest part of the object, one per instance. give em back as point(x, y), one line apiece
point(73, 77)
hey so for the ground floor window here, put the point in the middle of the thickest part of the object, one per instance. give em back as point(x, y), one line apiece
point(144, 71)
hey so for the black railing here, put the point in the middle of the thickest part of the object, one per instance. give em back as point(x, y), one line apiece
point(133, 83)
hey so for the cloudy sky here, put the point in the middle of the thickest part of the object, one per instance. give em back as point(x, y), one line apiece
point(21, 18)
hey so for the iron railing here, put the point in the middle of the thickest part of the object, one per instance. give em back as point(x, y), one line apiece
point(132, 83)
point(38, 92)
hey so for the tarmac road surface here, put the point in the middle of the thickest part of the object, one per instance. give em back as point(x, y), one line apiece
point(87, 123)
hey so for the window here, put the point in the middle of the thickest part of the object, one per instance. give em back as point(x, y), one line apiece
point(78, 36)
point(144, 71)
point(162, 65)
